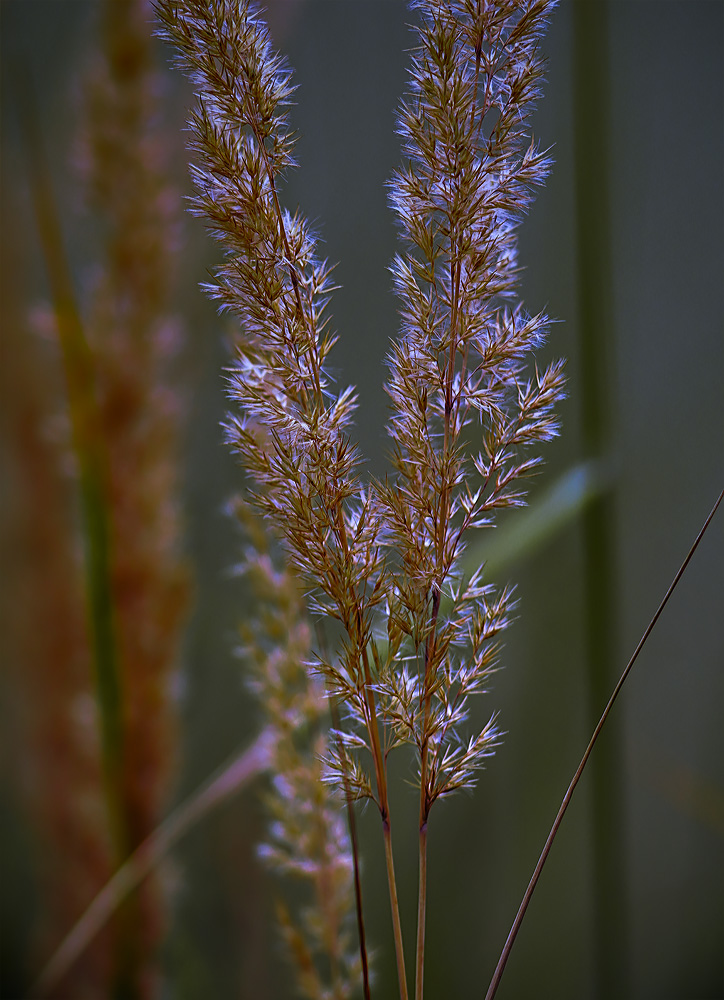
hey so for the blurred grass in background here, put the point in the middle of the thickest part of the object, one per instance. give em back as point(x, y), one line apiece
point(666, 222)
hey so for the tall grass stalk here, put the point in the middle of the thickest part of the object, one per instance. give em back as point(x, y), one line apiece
point(87, 445)
point(117, 344)
point(419, 638)
point(58, 772)
point(595, 316)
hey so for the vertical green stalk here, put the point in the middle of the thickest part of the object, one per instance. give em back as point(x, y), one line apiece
point(88, 449)
point(591, 88)
point(79, 376)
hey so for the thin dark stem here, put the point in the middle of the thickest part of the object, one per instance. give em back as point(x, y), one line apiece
point(395, 907)
point(381, 781)
point(495, 982)
point(352, 822)
point(358, 896)
point(354, 630)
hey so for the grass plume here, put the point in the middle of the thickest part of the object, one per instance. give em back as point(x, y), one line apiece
point(307, 841)
point(371, 626)
point(383, 559)
point(117, 342)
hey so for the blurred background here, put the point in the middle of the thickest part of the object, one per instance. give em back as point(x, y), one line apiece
point(625, 248)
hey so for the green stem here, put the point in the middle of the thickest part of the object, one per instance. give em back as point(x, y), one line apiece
point(79, 375)
point(89, 451)
point(591, 89)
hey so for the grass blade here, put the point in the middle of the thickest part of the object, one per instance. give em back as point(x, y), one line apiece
point(560, 504)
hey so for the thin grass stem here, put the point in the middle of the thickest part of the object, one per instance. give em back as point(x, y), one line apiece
point(421, 912)
point(505, 954)
point(352, 824)
point(358, 899)
point(228, 781)
point(381, 780)
point(395, 908)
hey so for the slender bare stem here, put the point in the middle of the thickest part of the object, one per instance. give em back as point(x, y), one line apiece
point(358, 898)
point(381, 780)
point(424, 809)
point(421, 912)
point(394, 905)
point(495, 982)
point(221, 786)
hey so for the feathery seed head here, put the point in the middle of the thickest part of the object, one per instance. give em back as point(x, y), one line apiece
point(416, 640)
